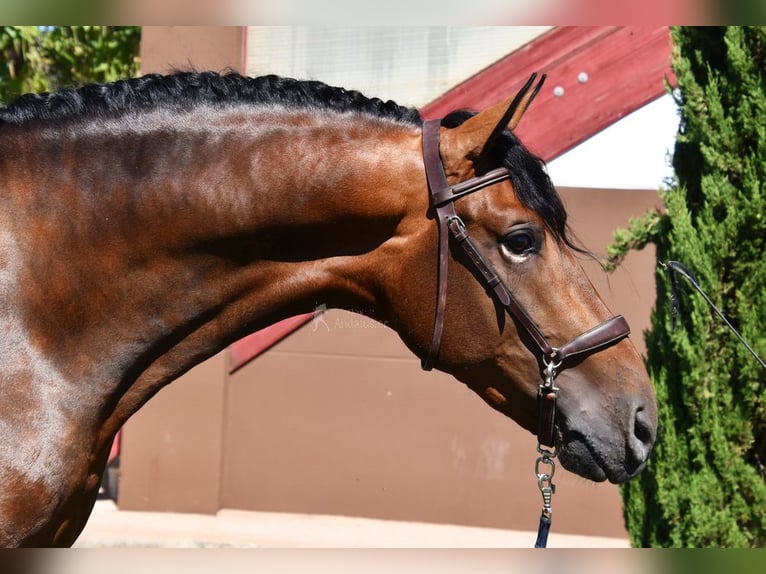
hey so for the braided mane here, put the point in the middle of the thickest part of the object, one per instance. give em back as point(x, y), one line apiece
point(184, 90)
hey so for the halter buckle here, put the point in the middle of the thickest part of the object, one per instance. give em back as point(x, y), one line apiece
point(550, 371)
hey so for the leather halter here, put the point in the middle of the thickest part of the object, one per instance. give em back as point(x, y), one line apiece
point(442, 197)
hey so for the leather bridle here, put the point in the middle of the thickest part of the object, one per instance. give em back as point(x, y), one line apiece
point(450, 225)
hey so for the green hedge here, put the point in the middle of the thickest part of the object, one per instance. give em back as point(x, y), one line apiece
point(704, 485)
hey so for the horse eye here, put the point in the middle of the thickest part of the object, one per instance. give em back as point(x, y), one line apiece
point(520, 242)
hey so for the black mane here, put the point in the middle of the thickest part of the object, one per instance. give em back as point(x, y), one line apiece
point(533, 187)
point(184, 90)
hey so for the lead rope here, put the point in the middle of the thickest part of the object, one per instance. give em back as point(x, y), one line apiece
point(674, 267)
point(545, 465)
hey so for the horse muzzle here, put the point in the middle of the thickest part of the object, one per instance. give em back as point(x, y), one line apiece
point(599, 448)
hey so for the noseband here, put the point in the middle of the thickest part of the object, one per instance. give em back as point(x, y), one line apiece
point(443, 196)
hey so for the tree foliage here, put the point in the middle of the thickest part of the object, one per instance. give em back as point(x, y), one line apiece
point(38, 59)
point(705, 483)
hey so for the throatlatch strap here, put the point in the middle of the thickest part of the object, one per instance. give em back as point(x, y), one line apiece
point(437, 182)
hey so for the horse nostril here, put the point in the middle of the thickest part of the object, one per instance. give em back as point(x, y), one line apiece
point(642, 428)
point(641, 440)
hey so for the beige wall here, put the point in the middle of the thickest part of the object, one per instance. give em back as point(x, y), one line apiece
point(341, 420)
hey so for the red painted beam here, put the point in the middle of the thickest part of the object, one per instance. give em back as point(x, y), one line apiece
point(248, 348)
point(627, 67)
point(499, 80)
point(114, 452)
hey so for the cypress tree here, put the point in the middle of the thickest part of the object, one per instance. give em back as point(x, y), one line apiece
point(705, 483)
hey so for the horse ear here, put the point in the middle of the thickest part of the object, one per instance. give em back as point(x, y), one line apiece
point(474, 137)
point(516, 109)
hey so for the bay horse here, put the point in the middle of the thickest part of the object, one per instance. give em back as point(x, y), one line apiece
point(147, 224)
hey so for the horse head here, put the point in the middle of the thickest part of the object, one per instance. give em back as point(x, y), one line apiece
point(517, 319)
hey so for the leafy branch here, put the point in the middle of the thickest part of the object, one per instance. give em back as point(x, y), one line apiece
point(43, 58)
point(640, 232)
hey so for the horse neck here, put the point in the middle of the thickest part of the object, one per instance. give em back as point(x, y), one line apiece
point(164, 241)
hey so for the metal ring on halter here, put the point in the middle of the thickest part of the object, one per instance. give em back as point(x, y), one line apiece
point(545, 460)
